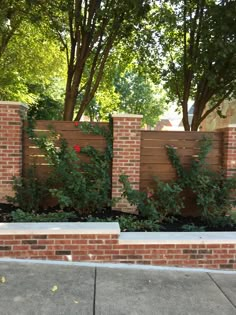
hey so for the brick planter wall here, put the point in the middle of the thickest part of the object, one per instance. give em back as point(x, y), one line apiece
point(103, 242)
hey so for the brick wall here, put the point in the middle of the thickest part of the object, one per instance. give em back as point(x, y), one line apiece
point(188, 250)
point(126, 155)
point(11, 117)
point(230, 150)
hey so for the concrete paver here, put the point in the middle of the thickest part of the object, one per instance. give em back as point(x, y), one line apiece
point(101, 290)
point(227, 284)
point(139, 292)
point(27, 290)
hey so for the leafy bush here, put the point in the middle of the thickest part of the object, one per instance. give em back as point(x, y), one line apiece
point(130, 223)
point(29, 191)
point(192, 228)
point(211, 190)
point(76, 184)
point(222, 222)
point(165, 200)
point(133, 224)
point(22, 216)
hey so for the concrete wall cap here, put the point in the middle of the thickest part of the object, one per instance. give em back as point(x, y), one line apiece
point(178, 238)
point(4, 103)
point(127, 115)
point(59, 228)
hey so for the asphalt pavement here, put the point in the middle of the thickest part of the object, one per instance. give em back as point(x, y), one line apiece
point(47, 289)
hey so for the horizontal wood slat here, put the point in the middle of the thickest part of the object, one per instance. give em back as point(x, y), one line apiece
point(179, 135)
point(61, 125)
point(67, 130)
point(154, 159)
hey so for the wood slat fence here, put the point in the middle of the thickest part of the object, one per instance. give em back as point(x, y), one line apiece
point(154, 159)
point(67, 130)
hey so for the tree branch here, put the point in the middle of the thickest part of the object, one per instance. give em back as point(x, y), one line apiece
point(216, 105)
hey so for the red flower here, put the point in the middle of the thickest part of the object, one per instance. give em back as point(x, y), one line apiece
point(77, 148)
point(76, 123)
point(149, 194)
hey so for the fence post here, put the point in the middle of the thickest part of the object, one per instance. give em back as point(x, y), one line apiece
point(126, 155)
point(229, 162)
point(11, 125)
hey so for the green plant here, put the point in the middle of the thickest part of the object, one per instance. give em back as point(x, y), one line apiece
point(22, 216)
point(193, 228)
point(233, 216)
point(221, 222)
point(29, 191)
point(165, 200)
point(211, 190)
point(130, 223)
point(76, 184)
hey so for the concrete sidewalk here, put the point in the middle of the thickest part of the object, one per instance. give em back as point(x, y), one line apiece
point(42, 289)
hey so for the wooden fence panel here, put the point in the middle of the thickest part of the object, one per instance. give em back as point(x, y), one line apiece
point(67, 130)
point(154, 159)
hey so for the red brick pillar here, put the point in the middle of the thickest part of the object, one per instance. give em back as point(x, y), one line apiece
point(11, 123)
point(229, 162)
point(126, 155)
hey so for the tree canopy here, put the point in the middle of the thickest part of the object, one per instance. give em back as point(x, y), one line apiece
point(88, 30)
point(138, 95)
point(194, 45)
point(89, 47)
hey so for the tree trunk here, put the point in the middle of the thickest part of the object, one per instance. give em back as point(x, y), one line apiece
point(195, 125)
point(185, 116)
point(185, 122)
point(69, 105)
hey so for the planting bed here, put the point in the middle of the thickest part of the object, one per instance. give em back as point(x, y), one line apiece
point(180, 223)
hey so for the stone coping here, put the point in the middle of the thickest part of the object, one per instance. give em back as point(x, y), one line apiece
point(127, 116)
point(177, 238)
point(113, 228)
point(60, 228)
point(4, 103)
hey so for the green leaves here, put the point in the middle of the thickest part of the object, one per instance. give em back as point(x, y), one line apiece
point(164, 201)
point(138, 95)
point(191, 44)
point(84, 186)
point(23, 216)
point(211, 191)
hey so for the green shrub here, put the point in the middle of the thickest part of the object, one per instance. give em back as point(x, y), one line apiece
point(76, 184)
point(130, 223)
point(193, 228)
point(29, 191)
point(211, 190)
point(22, 216)
point(164, 201)
point(84, 187)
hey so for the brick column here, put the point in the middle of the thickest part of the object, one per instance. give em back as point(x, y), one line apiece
point(126, 155)
point(11, 123)
point(229, 162)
